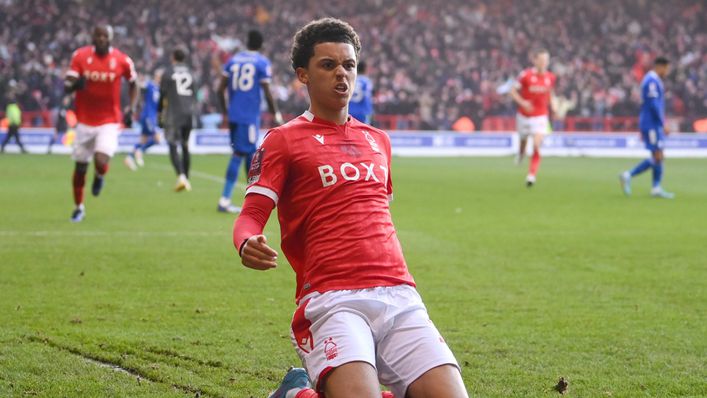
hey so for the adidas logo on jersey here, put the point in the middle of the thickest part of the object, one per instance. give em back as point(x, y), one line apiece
point(350, 172)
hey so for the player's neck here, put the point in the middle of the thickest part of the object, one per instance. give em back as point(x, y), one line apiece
point(101, 53)
point(336, 116)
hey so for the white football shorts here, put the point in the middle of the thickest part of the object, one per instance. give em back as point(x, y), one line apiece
point(92, 139)
point(530, 125)
point(387, 327)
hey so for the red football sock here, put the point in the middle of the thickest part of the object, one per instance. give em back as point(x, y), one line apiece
point(101, 170)
point(534, 163)
point(307, 393)
point(78, 182)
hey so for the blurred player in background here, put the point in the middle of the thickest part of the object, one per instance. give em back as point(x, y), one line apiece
point(532, 93)
point(176, 112)
point(13, 113)
point(361, 105)
point(652, 124)
point(95, 76)
point(359, 322)
point(244, 76)
point(148, 121)
point(61, 125)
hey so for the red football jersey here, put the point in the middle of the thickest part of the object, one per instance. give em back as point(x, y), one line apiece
point(536, 88)
point(99, 101)
point(332, 185)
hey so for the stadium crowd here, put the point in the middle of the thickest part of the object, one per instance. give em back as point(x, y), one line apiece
point(435, 59)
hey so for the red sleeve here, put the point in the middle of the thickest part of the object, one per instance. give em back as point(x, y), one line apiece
point(254, 215)
point(270, 166)
point(520, 80)
point(129, 73)
point(75, 68)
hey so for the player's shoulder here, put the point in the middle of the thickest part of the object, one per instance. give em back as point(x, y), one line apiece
point(652, 76)
point(275, 137)
point(374, 131)
point(119, 54)
point(298, 125)
point(83, 52)
point(648, 78)
point(182, 67)
point(526, 72)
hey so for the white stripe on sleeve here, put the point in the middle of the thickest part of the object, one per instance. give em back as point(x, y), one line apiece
point(263, 191)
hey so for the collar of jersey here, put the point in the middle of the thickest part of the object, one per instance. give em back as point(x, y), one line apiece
point(311, 118)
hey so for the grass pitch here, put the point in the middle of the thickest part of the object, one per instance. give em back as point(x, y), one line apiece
point(146, 297)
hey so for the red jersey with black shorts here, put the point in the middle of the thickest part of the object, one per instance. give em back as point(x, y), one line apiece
point(535, 87)
point(331, 184)
point(98, 102)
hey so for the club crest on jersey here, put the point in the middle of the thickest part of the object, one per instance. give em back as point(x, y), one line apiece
point(255, 166)
point(369, 138)
point(330, 350)
point(319, 138)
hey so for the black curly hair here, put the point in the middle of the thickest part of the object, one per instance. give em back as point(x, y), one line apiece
point(325, 30)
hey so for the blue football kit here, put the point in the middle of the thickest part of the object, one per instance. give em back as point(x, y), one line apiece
point(651, 122)
point(361, 103)
point(244, 72)
point(652, 116)
point(148, 116)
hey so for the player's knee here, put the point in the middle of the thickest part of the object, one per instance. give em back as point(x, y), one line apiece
point(442, 381)
point(81, 167)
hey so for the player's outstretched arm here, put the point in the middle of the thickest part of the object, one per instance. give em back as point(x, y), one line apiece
point(132, 104)
point(73, 83)
point(522, 102)
point(221, 95)
point(248, 236)
point(272, 104)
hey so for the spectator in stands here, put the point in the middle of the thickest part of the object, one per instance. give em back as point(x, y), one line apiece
point(601, 49)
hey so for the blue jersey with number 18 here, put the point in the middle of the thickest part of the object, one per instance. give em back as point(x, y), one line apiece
point(245, 71)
